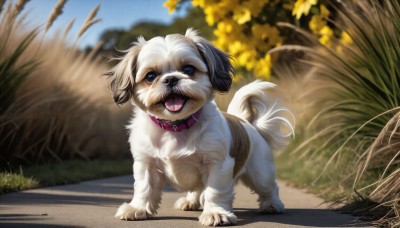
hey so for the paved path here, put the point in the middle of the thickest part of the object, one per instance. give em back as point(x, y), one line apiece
point(93, 204)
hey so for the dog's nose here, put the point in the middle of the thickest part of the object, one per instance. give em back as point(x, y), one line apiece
point(171, 81)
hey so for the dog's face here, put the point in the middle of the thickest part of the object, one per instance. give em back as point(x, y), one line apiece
point(172, 77)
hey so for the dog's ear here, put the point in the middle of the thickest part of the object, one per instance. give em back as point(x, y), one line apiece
point(220, 68)
point(122, 76)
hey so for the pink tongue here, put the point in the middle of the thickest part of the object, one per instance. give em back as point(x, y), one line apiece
point(174, 103)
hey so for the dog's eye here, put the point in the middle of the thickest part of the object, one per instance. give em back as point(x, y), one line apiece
point(188, 70)
point(150, 77)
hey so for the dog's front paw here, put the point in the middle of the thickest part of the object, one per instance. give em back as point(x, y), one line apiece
point(217, 218)
point(127, 212)
point(187, 205)
point(273, 206)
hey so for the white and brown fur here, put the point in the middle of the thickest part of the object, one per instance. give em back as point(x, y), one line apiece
point(206, 160)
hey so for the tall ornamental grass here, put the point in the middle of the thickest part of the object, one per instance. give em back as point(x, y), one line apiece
point(348, 140)
point(54, 103)
point(11, 75)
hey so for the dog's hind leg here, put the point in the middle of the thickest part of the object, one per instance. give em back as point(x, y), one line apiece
point(260, 178)
point(268, 197)
point(190, 202)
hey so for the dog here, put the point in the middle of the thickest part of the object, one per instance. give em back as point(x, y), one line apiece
point(178, 135)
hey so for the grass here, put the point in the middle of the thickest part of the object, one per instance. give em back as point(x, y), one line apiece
point(12, 72)
point(60, 108)
point(12, 75)
point(347, 142)
point(13, 182)
point(66, 172)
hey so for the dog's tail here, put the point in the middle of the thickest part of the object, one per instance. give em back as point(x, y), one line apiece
point(252, 104)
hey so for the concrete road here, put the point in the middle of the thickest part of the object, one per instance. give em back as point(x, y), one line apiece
point(93, 204)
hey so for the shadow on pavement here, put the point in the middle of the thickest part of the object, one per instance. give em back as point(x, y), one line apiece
point(32, 198)
point(97, 201)
point(298, 217)
point(30, 225)
point(26, 220)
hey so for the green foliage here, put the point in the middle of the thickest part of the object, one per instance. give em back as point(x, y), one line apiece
point(12, 182)
point(11, 74)
point(66, 172)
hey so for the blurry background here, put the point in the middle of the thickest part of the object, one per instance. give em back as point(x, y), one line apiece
point(115, 15)
point(336, 64)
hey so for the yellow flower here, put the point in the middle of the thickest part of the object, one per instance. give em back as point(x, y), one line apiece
point(274, 38)
point(326, 30)
point(302, 7)
point(199, 3)
point(217, 10)
point(316, 23)
point(262, 68)
point(326, 36)
point(204, 3)
point(247, 59)
point(255, 6)
point(242, 15)
point(236, 47)
point(260, 31)
point(226, 33)
point(171, 5)
point(323, 10)
point(223, 27)
point(325, 40)
point(211, 17)
point(345, 39)
point(266, 31)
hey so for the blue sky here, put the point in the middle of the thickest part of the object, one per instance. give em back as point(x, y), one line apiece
point(114, 14)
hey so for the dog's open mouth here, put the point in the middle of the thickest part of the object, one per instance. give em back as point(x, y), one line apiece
point(175, 102)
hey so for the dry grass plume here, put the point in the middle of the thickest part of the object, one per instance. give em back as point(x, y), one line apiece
point(68, 27)
point(57, 11)
point(90, 20)
point(19, 6)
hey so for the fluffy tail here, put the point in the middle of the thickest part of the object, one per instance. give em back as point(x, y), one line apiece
point(252, 104)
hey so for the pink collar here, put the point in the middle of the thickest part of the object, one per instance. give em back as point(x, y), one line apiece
point(178, 125)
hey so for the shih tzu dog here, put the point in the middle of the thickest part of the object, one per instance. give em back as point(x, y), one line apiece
point(179, 135)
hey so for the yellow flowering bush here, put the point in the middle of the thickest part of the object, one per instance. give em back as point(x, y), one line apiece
point(247, 30)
